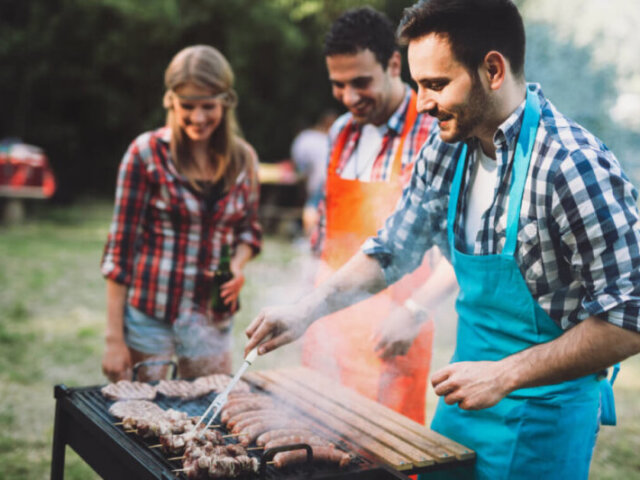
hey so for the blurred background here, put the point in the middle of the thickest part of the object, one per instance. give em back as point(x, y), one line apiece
point(81, 78)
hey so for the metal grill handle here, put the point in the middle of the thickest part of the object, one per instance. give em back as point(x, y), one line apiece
point(269, 454)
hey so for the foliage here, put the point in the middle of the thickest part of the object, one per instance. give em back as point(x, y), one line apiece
point(82, 78)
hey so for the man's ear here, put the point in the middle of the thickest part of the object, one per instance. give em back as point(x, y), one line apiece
point(394, 66)
point(494, 69)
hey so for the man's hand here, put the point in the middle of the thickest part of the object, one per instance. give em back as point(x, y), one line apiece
point(281, 325)
point(472, 385)
point(116, 361)
point(396, 333)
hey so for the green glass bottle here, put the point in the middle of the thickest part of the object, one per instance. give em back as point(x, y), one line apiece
point(220, 276)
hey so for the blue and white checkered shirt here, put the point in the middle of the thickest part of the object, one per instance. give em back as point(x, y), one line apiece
point(578, 235)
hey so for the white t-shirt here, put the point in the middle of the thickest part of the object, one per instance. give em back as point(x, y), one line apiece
point(482, 184)
point(360, 163)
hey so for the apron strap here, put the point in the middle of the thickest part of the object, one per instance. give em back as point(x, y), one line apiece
point(522, 157)
point(521, 162)
point(336, 153)
point(454, 197)
point(396, 169)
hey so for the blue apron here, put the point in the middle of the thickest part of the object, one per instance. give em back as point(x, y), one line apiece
point(545, 432)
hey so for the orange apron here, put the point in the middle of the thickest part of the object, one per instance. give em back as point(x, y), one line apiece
point(340, 345)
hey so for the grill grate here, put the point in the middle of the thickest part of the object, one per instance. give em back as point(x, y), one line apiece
point(361, 468)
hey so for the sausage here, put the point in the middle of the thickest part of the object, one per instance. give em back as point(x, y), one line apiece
point(239, 407)
point(251, 432)
point(264, 415)
point(242, 416)
point(266, 437)
point(243, 397)
point(312, 440)
point(320, 454)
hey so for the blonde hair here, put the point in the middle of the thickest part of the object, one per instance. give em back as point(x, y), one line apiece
point(206, 67)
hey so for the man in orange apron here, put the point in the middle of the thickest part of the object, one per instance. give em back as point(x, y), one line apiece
point(372, 147)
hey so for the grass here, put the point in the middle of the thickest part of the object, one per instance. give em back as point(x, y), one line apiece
point(52, 314)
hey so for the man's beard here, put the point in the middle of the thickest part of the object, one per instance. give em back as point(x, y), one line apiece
point(468, 116)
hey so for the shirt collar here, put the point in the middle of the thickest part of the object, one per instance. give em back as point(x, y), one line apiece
point(396, 121)
point(164, 134)
point(508, 131)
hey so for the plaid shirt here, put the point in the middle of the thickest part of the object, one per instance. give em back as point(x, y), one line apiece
point(578, 235)
point(163, 238)
point(383, 164)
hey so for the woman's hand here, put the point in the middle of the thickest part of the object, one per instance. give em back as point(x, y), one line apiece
point(116, 361)
point(230, 291)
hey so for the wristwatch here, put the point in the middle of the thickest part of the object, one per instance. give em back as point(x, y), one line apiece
point(419, 311)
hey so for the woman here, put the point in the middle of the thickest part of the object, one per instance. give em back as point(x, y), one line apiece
point(184, 191)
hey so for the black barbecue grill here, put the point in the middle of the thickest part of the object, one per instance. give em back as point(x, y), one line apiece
point(83, 422)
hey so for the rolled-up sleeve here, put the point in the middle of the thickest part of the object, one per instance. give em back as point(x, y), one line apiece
point(419, 220)
point(595, 208)
point(132, 196)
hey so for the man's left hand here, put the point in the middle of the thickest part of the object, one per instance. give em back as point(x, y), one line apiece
point(471, 385)
point(396, 333)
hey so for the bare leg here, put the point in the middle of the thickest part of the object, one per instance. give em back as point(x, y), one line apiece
point(191, 367)
point(152, 372)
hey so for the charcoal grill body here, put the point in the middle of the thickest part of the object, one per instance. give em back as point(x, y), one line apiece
point(82, 421)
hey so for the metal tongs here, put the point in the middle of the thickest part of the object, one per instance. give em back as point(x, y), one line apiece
point(221, 400)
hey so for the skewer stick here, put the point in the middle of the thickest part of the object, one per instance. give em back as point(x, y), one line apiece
point(131, 431)
point(180, 470)
point(176, 458)
point(254, 448)
point(119, 423)
point(272, 462)
point(156, 446)
point(231, 435)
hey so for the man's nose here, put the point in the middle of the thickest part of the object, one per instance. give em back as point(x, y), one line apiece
point(425, 102)
point(350, 96)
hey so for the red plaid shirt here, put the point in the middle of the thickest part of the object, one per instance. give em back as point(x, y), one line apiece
point(163, 238)
point(383, 163)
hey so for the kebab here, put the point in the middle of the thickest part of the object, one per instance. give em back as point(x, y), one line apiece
point(208, 461)
point(219, 466)
point(176, 444)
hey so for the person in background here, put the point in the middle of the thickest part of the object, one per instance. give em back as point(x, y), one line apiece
point(309, 152)
point(183, 192)
point(543, 231)
point(372, 147)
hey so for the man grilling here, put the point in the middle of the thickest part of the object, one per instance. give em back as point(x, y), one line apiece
point(548, 265)
point(372, 148)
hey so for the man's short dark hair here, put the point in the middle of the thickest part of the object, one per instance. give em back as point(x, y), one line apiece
point(473, 28)
point(359, 29)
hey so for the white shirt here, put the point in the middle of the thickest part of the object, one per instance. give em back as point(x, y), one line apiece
point(360, 163)
point(482, 185)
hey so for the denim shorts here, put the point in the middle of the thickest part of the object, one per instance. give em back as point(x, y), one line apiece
point(192, 335)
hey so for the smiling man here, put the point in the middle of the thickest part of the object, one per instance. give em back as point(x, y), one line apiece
point(541, 226)
point(372, 148)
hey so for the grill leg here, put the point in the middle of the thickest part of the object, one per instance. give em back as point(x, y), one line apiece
point(59, 444)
